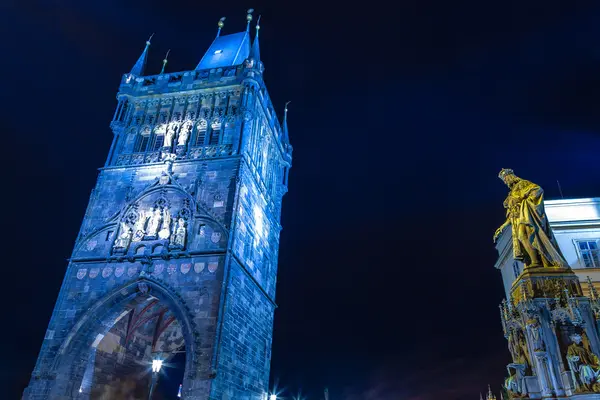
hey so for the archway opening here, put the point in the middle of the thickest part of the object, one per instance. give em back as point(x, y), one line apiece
point(120, 361)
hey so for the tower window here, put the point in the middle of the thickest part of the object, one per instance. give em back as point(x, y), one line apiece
point(589, 252)
point(200, 137)
point(214, 136)
point(142, 143)
point(158, 142)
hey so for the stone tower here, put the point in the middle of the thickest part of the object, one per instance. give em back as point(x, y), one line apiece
point(178, 248)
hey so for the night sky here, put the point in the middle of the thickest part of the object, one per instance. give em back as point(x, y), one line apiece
point(401, 118)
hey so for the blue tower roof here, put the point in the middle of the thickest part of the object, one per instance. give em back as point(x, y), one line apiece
point(226, 51)
point(140, 65)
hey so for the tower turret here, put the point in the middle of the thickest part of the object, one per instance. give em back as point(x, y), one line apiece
point(140, 65)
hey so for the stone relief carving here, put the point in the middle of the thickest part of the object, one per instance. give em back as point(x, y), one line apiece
point(155, 219)
point(179, 237)
point(171, 130)
point(184, 134)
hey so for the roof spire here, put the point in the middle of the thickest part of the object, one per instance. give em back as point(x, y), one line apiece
point(255, 52)
point(249, 19)
point(162, 71)
point(220, 24)
point(285, 126)
point(140, 65)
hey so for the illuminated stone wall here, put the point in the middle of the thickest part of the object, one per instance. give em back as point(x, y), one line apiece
point(186, 211)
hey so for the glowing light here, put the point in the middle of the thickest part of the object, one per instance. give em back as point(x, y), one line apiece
point(258, 220)
point(218, 51)
point(80, 391)
point(273, 397)
point(156, 365)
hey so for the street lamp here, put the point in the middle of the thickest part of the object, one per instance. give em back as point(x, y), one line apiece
point(156, 365)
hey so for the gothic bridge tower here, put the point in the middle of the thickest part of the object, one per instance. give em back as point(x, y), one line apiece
point(178, 248)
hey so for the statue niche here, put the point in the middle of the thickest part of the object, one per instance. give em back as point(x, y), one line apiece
point(153, 219)
point(584, 365)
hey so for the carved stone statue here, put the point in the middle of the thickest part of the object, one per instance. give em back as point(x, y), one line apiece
point(153, 223)
point(533, 241)
point(515, 383)
point(165, 232)
point(584, 365)
point(535, 333)
point(518, 348)
point(184, 134)
point(170, 134)
point(178, 239)
point(138, 228)
point(124, 238)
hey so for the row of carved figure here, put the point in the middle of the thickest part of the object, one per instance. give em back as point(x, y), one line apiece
point(584, 365)
point(170, 131)
point(152, 225)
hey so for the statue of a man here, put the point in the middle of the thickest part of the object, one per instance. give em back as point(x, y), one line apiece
point(124, 238)
point(184, 134)
point(584, 364)
point(171, 129)
point(533, 241)
point(178, 240)
point(153, 223)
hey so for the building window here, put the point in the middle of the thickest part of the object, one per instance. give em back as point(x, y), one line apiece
point(516, 269)
point(158, 142)
point(214, 136)
point(142, 143)
point(588, 249)
point(200, 137)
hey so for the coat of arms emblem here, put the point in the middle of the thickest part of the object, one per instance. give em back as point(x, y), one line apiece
point(171, 269)
point(81, 273)
point(215, 237)
point(106, 272)
point(185, 268)
point(212, 266)
point(158, 269)
point(199, 267)
point(94, 272)
point(119, 271)
point(132, 271)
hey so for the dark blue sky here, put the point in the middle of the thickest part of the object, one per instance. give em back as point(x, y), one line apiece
point(401, 117)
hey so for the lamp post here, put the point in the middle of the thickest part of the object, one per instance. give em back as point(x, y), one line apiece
point(156, 365)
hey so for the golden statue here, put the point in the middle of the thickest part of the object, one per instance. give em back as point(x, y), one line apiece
point(584, 364)
point(533, 241)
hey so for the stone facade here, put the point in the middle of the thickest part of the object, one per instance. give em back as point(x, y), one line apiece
point(179, 244)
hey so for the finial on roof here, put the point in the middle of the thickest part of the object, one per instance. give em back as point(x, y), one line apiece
point(249, 19)
point(220, 24)
point(285, 127)
point(162, 71)
point(140, 65)
point(255, 52)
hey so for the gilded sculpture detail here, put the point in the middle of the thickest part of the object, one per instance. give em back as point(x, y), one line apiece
point(533, 241)
point(584, 366)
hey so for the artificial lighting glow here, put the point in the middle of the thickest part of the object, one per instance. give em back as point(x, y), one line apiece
point(156, 365)
point(80, 391)
point(258, 220)
point(273, 397)
point(218, 51)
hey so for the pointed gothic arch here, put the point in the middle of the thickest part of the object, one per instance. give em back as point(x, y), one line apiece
point(74, 355)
